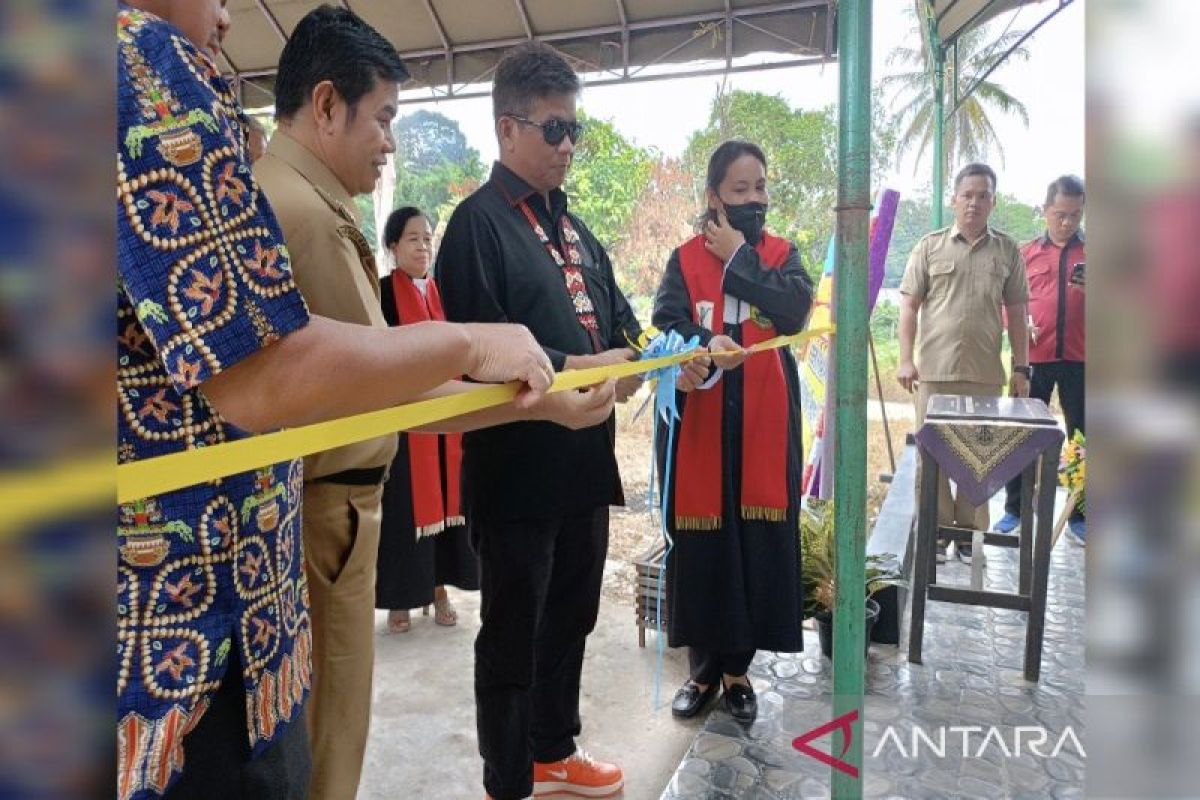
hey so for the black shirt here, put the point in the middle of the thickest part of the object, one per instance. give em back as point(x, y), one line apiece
point(492, 267)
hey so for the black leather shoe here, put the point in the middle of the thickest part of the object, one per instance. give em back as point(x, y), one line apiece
point(689, 699)
point(740, 702)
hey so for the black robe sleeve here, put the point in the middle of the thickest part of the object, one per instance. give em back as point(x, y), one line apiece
point(784, 295)
point(387, 301)
point(673, 304)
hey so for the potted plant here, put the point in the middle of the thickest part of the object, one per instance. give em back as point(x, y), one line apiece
point(819, 574)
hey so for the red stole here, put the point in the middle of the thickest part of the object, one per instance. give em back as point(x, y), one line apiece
point(433, 511)
point(698, 462)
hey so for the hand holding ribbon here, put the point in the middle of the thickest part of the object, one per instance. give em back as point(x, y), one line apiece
point(727, 353)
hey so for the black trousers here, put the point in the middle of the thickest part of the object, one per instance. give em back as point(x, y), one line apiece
point(540, 595)
point(707, 666)
point(216, 753)
point(1068, 377)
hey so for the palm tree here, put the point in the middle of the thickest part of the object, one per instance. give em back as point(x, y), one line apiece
point(969, 134)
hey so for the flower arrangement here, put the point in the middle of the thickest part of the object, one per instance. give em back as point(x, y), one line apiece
point(1072, 470)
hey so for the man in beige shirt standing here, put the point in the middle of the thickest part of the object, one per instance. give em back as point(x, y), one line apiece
point(955, 283)
point(333, 267)
point(336, 98)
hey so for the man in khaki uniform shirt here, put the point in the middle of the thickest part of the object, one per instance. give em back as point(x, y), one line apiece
point(343, 487)
point(956, 281)
point(313, 167)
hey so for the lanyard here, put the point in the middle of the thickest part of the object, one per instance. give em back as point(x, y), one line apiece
point(572, 268)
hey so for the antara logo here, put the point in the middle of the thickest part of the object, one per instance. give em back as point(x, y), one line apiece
point(973, 741)
point(844, 723)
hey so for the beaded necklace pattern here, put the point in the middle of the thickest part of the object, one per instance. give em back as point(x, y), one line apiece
point(571, 265)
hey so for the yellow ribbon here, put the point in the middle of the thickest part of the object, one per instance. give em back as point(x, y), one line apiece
point(55, 491)
point(33, 496)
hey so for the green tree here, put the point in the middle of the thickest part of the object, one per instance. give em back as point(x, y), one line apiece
point(801, 150)
point(885, 322)
point(433, 163)
point(426, 139)
point(606, 179)
point(970, 135)
point(366, 214)
point(1019, 220)
point(912, 222)
point(666, 212)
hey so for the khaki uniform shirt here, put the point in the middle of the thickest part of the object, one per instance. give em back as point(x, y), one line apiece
point(332, 264)
point(961, 288)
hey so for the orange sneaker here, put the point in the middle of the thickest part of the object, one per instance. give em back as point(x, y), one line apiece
point(578, 774)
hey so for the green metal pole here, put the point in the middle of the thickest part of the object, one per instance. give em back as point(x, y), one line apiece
point(850, 421)
point(939, 123)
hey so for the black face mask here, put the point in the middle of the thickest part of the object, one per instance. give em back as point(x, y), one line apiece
point(749, 218)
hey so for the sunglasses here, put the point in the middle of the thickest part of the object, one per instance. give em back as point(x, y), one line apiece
point(554, 130)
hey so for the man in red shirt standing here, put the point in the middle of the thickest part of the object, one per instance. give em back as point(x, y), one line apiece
point(1054, 263)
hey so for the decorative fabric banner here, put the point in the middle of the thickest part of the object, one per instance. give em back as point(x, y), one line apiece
point(816, 359)
point(982, 458)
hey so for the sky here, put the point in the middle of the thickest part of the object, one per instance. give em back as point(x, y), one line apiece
point(1151, 108)
point(661, 114)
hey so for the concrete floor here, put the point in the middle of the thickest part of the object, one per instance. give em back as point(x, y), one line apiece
point(422, 744)
point(971, 676)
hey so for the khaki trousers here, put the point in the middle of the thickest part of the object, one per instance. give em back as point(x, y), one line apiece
point(341, 543)
point(954, 511)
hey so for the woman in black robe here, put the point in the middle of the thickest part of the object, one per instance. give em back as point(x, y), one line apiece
point(733, 492)
point(423, 544)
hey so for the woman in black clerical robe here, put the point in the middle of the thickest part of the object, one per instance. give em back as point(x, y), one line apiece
point(733, 492)
point(423, 538)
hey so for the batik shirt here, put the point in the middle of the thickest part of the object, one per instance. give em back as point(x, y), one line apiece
point(212, 573)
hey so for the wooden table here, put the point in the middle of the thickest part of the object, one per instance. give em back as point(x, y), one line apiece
point(981, 443)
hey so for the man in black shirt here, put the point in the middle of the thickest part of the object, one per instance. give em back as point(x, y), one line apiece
point(537, 496)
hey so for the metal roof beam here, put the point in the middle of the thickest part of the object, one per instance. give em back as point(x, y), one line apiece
point(437, 26)
point(721, 70)
point(624, 19)
point(700, 73)
point(524, 18)
point(728, 34)
point(970, 23)
point(949, 7)
point(447, 51)
point(975, 84)
point(624, 29)
point(647, 25)
point(773, 34)
point(283, 37)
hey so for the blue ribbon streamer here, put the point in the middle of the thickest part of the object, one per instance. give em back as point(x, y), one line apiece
point(667, 410)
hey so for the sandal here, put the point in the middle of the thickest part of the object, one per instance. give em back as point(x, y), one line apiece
point(443, 613)
point(398, 621)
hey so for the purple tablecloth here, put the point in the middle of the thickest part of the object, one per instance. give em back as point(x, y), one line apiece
point(981, 457)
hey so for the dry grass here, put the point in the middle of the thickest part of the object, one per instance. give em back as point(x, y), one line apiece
point(878, 463)
point(633, 531)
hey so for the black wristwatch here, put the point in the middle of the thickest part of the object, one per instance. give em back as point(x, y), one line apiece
point(1023, 369)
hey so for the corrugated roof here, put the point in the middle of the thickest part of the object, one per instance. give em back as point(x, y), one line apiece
point(956, 17)
point(450, 45)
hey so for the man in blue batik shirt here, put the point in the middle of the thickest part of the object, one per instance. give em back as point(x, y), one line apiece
point(214, 343)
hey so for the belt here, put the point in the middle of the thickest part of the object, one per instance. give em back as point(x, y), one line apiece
point(372, 476)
